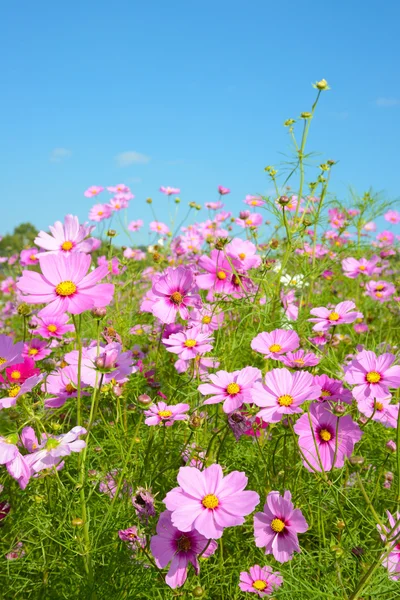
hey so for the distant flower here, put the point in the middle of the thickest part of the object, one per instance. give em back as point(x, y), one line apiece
point(207, 502)
point(233, 389)
point(118, 203)
point(332, 390)
point(393, 216)
point(335, 438)
point(386, 238)
point(173, 292)
point(10, 353)
point(300, 359)
point(36, 349)
point(341, 313)
point(275, 343)
point(297, 281)
point(29, 257)
point(135, 225)
point(353, 267)
point(131, 536)
point(223, 190)
point(99, 212)
point(188, 344)
point(254, 201)
point(252, 220)
point(169, 191)
point(260, 580)
point(65, 238)
point(380, 290)
point(276, 528)
point(380, 410)
point(53, 327)
point(372, 375)
point(283, 393)
point(208, 318)
point(371, 226)
point(55, 448)
point(94, 190)
point(159, 227)
point(164, 414)
point(143, 502)
point(179, 548)
point(243, 253)
point(120, 188)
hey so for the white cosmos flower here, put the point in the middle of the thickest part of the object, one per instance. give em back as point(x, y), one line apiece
point(296, 281)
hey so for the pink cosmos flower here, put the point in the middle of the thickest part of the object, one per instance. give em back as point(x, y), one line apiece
point(131, 536)
point(14, 461)
point(282, 393)
point(218, 273)
point(99, 212)
point(352, 267)
point(276, 528)
point(392, 533)
point(208, 318)
point(392, 216)
point(159, 227)
point(29, 257)
point(290, 305)
point(233, 389)
point(10, 353)
point(252, 220)
point(275, 343)
point(162, 413)
point(300, 359)
point(260, 580)
point(380, 290)
point(110, 362)
point(341, 313)
point(62, 385)
point(214, 205)
point(53, 327)
point(179, 548)
point(254, 201)
point(8, 286)
point(118, 202)
point(386, 238)
point(223, 190)
point(207, 502)
point(120, 188)
point(332, 390)
point(55, 448)
point(66, 238)
point(65, 285)
point(135, 225)
point(94, 190)
point(372, 375)
point(20, 372)
point(169, 191)
point(380, 410)
point(243, 253)
point(173, 292)
point(335, 438)
point(36, 349)
point(189, 344)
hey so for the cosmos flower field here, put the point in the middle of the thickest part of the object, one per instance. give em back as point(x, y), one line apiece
point(215, 414)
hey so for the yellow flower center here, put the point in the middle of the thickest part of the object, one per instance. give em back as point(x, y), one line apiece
point(253, 203)
point(285, 400)
point(325, 393)
point(259, 585)
point(275, 348)
point(242, 256)
point(70, 388)
point(277, 525)
point(221, 275)
point(373, 377)
point(379, 406)
point(380, 286)
point(15, 374)
point(67, 246)
point(248, 221)
point(184, 544)
point(362, 268)
point(378, 294)
point(206, 319)
point(164, 414)
point(334, 316)
point(2, 360)
point(66, 288)
point(210, 501)
point(325, 435)
point(233, 389)
point(52, 328)
point(13, 390)
point(190, 343)
point(299, 361)
point(33, 351)
point(33, 257)
point(101, 212)
point(176, 298)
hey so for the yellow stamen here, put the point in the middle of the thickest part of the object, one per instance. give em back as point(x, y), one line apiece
point(373, 377)
point(33, 351)
point(325, 393)
point(176, 297)
point(221, 275)
point(13, 390)
point(66, 288)
point(275, 348)
point(15, 374)
point(259, 585)
point(70, 388)
point(277, 525)
point(164, 414)
point(362, 268)
point(210, 501)
point(242, 256)
point(325, 435)
point(190, 343)
point(334, 316)
point(379, 406)
point(52, 328)
point(2, 360)
point(233, 389)
point(67, 246)
point(285, 400)
point(206, 319)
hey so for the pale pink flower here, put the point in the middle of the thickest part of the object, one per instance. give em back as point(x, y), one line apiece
point(392, 216)
point(135, 225)
point(372, 375)
point(94, 190)
point(99, 212)
point(159, 227)
point(233, 389)
point(65, 238)
point(165, 414)
point(189, 344)
point(275, 343)
point(339, 314)
point(260, 580)
point(169, 191)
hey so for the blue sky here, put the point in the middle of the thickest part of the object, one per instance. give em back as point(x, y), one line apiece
point(198, 90)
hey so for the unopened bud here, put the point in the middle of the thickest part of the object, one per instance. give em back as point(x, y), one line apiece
point(24, 310)
point(283, 200)
point(111, 233)
point(198, 591)
point(144, 400)
point(99, 312)
point(149, 200)
point(77, 522)
point(391, 446)
point(356, 462)
point(306, 115)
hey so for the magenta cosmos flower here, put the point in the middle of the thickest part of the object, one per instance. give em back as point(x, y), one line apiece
point(282, 393)
point(29, 257)
point(274, 343)
point(36, 349)
point(189, 344)
point(65, 285)
point(300, 359)
point(223, 190)
point(173, 292)
point(333, 435)
point(233, 389)
point(332, 390)
point(208, 502)
point(276, 528)
point(53, 327)
point(66, 238)
point(341, 313)
point(10, 353)
point(372, 375)
point(162, 413)
point(260, 580)
point(179, 548)
point(218, 275)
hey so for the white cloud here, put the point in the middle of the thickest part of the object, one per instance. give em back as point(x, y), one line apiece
point(130, 157)
point(59, 154)
point(387, 102)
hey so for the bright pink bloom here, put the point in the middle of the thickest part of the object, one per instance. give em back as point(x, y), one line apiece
point(254, 201)
point(135, 225)
point(55, 448)
point(29, 257)
point(218, 275)
point(169, 191)
point(173, 292)
point(208, 318)
point(380, 410)
point(380, 290)
point(189, 344)
point(392, 533)
point(341, 313)
point(65, 285)
point(282, 393)
point(99, 212)
point(94, 190)
point(120, 188)
point(243, 254)
point(335, 438)
point(162, 413)
point(208, 502)
point(66, 238)
point(275, 343)
point(61, 385)
point(233, 389)
point(276, 528)
point(223, 190)
point(352, 267)
point(386, 238)
point(332, 390)
point(10, 353)
point(300, 359)
point(179, 548)
point(53, 327)
point(260, 580)
point(118, 202)
point(372, 375)
point(159, 227)
point(252, 220)
point(36, 349)
point(20, 372)
point(15, 390)
point(392, 216)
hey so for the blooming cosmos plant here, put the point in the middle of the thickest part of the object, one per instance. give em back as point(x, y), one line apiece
point(233, 389)
point(372, 375)
point(260, 580)
point(275, 343)
point(164, 414)
point(325, 318)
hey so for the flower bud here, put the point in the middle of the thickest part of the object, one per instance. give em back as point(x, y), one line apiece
point(177, 200)
point(24, 310)
point(391, 446)
point(111, 233)
point(144, 400)
point(198, 592)
point(306, 115)
point(77, 522)
point(99, 312)
point(283, 200)
point(340, 524)
point(356, 462)
point(321, 85)
point(149, 200)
